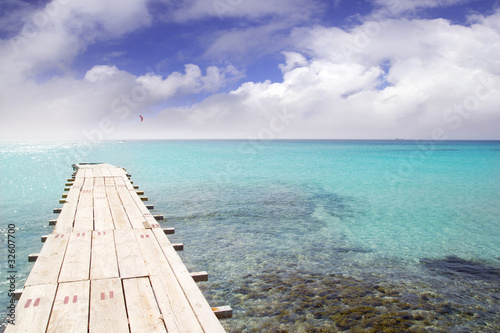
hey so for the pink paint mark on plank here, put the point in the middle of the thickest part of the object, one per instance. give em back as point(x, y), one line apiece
point(66, 300)
point(83, 235)
point(62, 235)
point(111, 294)
point(28, 302)
point(78, 235)
point(75, 298)
point(142, 236)
point(103, 296)
point(37, 301)
point(57, 236)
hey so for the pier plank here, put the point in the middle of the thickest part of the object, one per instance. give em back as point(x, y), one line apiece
point(120, 219)
point(118, 172)
point(66, 218)
point(35, 304)
point(81, 173)
point(107, 307)
point(200, 306)
point(102, 213)
point(70, 312)
point(97, 172)
point(76, 264)
point(89, 172)
point(84, 217)
point(48, 265)
point(103, 261)
point(150, 220)
point(130, 260)
point(105, 172)
point(142, 309)
point(176, 310)
point(134, 214)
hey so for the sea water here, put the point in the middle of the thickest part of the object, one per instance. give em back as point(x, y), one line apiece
point(299, 236)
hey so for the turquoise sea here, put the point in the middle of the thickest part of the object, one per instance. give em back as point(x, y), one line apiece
point(300, 236)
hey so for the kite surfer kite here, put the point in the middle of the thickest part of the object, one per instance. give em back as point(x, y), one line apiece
point(141, 118)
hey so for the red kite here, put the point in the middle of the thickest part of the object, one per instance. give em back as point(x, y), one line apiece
point(141, 118)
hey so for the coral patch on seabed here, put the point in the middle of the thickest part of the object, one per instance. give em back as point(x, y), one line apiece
point(277, 301)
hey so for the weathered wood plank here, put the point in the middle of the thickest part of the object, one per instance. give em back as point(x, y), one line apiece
point(84, 217)
point(48, 265)
point(200, 306)
point(67, 216)
point(134, 214)
point(76, 264)
point(120, 219)
point(118, 172)
point(142, 207)
point(80, 173)
point(105, 172)
point(128, 253)
point(70, 312)
point(176, 310)
point(142, 309)
point(33, 309)
point(102, 213)
point(97, 172)
point(107, 307)
point(103, 263)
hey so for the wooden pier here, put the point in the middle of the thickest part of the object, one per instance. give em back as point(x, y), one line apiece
point(108, 267)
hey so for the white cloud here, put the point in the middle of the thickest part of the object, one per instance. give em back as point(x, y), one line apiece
point(381, 79)
point(293, 60)
point(192, 82)
point(55, 34)
point(101, 73)
point(71, 108)
point(35, 104)
point(394, 78)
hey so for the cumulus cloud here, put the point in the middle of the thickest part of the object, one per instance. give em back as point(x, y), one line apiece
point(41, 97)
point(391, 78)
point(37, 86)
point(192, 82)
point(384, 78)
point(52, 36)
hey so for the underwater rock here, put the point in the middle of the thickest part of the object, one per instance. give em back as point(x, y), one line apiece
point(280, 301)
point(453, 265)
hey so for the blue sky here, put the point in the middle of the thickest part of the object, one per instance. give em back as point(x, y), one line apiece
point(261, 69)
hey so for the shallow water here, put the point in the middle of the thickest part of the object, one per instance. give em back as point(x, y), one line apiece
point(303, 236)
